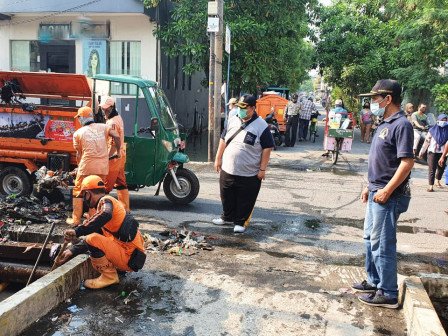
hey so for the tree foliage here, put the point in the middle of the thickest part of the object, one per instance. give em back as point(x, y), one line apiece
point(268, 45)
point(362, 41)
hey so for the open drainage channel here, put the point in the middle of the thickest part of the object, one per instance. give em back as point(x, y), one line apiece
point(24, 226)
point(425, 304)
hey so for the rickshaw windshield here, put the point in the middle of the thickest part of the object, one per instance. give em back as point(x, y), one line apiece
point(162, 104)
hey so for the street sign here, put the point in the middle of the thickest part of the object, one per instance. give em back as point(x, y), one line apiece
point(213, 25)
point(228, 36)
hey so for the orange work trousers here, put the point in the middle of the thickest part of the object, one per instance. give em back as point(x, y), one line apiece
point(78, 183)
point(114, 250)
point(116, 177)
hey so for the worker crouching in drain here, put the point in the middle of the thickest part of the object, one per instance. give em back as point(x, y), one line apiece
point(112, 236)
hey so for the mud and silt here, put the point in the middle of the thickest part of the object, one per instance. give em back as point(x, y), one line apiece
point(198, 294)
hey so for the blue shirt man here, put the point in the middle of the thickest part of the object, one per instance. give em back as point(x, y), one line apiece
point(387, 196)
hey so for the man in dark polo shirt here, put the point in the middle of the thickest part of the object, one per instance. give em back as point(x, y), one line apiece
point(388, 195)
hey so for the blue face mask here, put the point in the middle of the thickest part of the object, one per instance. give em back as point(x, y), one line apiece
point(376, 110)
point(442, 123)
point(242, 113)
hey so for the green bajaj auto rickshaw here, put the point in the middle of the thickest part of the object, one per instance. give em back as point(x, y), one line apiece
point(154, 145)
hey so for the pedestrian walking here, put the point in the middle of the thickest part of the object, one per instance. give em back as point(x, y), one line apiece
point(291, 117)
point(442, 159)
point(90, 142)
point(419, 122)
point(434, 143)
point(112, 236)
point(304, 118)
point(116, 177)
point(242, 159)
point(387, 195)
point(366, 120)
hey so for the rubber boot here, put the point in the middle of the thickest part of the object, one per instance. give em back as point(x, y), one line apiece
point(77, 212)
point(123, 197)
point(108, 275)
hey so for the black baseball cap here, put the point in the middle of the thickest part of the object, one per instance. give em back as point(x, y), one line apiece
point(248, 100)
point(385, 87)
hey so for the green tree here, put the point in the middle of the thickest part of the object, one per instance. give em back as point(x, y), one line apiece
point(440, 93)
point(268, 45)
point(362, 41)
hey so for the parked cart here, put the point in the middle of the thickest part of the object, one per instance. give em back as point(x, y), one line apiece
point(339, 133)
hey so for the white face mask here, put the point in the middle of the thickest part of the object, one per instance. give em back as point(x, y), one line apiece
point(442, 123)
point(376, 110)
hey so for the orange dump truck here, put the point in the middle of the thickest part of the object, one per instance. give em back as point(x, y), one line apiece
point(32, 133)
point(272, 103)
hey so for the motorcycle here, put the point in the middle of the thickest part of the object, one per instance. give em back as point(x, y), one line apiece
point(274, 128)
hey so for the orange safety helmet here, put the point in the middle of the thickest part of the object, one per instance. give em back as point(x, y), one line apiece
point(92, 182)
point(85, 112)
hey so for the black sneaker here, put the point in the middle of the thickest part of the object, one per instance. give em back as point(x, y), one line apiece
point(364, 287)
point(379, 300)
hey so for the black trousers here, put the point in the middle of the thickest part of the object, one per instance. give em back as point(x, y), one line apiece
point(303, 128)
point(291, 130)
point(238, 197)
point(434, 170)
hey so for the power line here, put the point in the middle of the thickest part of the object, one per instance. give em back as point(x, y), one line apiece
point(50, 15)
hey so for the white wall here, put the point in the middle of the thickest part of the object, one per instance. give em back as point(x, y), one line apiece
point(126, 27)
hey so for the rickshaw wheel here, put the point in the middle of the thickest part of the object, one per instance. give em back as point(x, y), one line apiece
point(189, 187)
point(335, 153)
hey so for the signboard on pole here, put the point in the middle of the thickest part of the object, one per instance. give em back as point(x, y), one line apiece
point(228, 36)
point(213, 25)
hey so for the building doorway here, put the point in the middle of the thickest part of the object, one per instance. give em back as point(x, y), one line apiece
point(58, 57)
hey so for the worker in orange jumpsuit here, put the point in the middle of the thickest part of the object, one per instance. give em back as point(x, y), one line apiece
point(112, 236)
point(90, 142)
point(116, 177)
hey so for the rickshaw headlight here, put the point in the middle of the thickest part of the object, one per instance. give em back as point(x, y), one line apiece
point(168, 145)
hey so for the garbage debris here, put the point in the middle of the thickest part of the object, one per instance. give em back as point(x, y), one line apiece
point(30, 210)
point(49, 180)
point(339, 292)
point(24, 212)
point(128, 298)
point(74, 309)
point(179, 243)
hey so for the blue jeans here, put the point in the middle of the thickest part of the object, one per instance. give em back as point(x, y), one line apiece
point(380, 238)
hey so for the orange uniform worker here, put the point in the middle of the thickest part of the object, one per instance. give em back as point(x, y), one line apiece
point(116, 177)
point(113, 239)
point(90, 142)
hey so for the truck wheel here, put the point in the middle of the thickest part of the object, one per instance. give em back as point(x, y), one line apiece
point(189, 187)
point(14, 180)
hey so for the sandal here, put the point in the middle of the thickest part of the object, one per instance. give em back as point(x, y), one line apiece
point(362, 140)
point(430, 190)
point(368, 142)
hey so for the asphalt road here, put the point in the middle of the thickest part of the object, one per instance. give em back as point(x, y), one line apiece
point(290, 272)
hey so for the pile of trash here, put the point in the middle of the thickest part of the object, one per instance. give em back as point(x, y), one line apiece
point(179, 243)
point(26, 211)
point(49, 180)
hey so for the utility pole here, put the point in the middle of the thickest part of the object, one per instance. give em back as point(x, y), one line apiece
point(218, 77)
point(212, 28)
point(211, 104)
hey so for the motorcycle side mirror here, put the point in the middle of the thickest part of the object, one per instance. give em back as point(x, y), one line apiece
point(155, 124)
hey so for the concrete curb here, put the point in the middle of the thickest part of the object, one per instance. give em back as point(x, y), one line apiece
point(22, 309)
point(421, 318)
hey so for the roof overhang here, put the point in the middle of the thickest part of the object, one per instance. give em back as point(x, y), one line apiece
point(80, 6)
